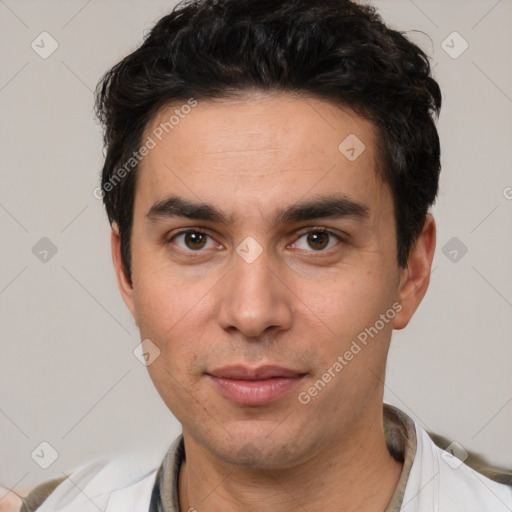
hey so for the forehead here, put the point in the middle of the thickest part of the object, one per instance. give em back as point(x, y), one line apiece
point(259, 146)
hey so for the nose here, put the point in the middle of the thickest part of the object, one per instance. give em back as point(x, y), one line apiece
point(254, 298)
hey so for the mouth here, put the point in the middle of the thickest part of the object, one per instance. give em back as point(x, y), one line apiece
point(254, 386)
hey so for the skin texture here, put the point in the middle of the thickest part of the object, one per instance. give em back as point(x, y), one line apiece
point(295, 306)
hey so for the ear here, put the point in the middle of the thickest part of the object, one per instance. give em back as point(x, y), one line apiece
point(123, 283)
point(415, 277)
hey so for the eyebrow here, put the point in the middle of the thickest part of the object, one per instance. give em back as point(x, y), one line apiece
point(333, 207)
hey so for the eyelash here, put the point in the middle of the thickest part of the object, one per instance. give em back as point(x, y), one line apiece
point(299, 235)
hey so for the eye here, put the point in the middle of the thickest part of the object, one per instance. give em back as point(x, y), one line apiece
point(192, 240)
point(318, 240)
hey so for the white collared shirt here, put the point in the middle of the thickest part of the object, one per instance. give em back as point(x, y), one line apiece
point(432, 480)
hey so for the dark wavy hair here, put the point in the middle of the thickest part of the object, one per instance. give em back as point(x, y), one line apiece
point(331, 49)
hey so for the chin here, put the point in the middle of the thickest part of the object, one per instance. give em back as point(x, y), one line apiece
point(258, 451)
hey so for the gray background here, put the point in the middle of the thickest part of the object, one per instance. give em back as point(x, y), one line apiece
point(67, 369)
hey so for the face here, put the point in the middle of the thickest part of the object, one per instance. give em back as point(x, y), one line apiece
point(264, 270)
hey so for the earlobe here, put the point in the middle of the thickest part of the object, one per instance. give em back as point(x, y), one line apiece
point(123, 283)
point(415, 277)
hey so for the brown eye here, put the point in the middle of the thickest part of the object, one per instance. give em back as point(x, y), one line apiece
point(318, 240)
point(195, 240)
point(192, 240)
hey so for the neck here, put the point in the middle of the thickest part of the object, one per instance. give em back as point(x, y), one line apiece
point(355, 473)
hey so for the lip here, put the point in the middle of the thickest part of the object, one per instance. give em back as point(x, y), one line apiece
point(254, 386)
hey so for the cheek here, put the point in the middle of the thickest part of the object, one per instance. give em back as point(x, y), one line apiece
point(354, 340)
point(349, 304)
point(172, 308)
point(350, 312)
point(169, 317)
point(157, 307)
point(163, 294)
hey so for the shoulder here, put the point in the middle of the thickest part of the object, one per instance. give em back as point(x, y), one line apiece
point(93, 482)
point(36, 496)
point(475, 461)
point(440, 481)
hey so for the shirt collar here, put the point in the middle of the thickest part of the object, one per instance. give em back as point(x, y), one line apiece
point(400, 435)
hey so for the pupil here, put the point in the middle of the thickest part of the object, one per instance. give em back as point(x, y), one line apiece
point(315, 240)
point(197, 240)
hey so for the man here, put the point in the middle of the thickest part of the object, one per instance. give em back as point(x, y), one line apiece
point(269, 172)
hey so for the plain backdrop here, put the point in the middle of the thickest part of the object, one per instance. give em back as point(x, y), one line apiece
point(68, 374)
